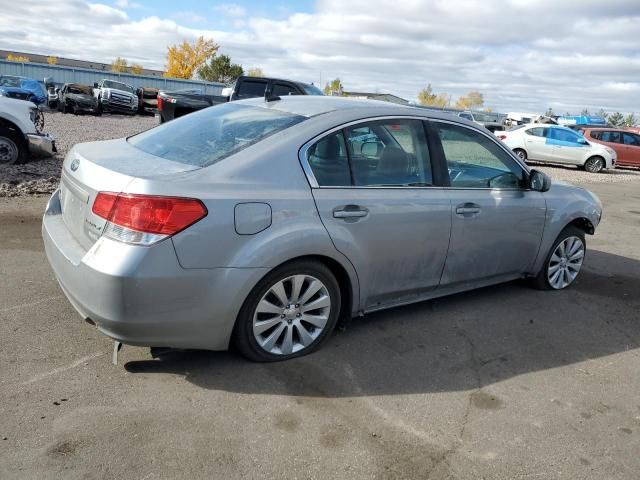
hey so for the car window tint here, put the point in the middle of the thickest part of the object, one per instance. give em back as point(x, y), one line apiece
point(563, 135)
point(282, 90)
point(596, 135)
point(467, 116)
point(251, 89)
point(611, 137)
point(389, 153)
point(329, 162)
point(630, 139)
point(476, 161)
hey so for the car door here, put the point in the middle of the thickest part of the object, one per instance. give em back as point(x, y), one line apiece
point(497, 222)
point(373, 186)
point(631, 149)
point(567, 146)
point(534, 143)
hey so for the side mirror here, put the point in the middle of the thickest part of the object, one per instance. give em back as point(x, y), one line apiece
point(95, 84)
point(539, 181)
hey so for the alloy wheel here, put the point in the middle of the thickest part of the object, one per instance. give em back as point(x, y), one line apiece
point(565, 262)
point(594, 165)
point(291, 315)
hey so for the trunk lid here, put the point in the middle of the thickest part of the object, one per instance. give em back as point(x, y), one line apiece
point(107, 166)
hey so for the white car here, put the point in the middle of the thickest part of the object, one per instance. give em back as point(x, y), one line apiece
point(542, 142)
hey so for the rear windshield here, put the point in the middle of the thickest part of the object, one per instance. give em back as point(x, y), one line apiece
point(207, 136)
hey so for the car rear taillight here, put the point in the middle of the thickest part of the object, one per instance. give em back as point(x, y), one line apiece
point(146, 219)
point(159, 103)
point(501, 137)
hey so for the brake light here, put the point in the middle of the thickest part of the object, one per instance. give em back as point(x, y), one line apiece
point(159, 103)
point(146, 219)
point(501, 137)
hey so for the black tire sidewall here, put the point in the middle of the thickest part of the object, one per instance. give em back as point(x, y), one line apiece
point(243, 337)
point(20, 145)
point(593, 160)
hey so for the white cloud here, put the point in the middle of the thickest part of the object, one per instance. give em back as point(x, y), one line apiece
point(231, 10)
point(127, 4)
point(522, 55)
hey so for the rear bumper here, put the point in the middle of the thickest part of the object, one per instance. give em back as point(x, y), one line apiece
point(141, 295)
point(41, 144)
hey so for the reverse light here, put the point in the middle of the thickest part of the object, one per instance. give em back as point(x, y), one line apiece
point(146, 219)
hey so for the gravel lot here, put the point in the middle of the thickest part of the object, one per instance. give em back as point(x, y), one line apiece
point(40, 176)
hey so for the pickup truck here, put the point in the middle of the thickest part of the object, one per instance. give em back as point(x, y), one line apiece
point(175, 104)
point(20, 132)
point(489, 121)
point(115, 97)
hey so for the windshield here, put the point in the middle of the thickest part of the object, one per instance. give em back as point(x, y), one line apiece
point(79, 89)
point(117, 86)
point(311, 89)
point(207, 136)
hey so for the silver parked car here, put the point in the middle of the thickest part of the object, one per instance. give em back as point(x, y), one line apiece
point(264, 223)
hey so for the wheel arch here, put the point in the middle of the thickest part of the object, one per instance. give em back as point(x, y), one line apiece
point(584, 224)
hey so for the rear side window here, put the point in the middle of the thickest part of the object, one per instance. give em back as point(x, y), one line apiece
point(207, 136)
point(631, 139)
point(596, 135)
point(384, 153)
point(251, 89)
point(537, 132)
point(611, 137)
point(476, 161)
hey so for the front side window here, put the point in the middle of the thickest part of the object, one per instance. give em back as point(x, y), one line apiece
point(563, 136)
point(282, 90)
point(207, 136)
point(597, 135)
point(467, 116)
point(476, 161)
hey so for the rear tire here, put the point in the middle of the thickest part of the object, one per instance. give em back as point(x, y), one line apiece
point(563, 263)
point(521, 154)
point(594, 164)
point(289, 313)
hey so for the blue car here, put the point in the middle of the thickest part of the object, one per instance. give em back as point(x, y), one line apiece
point(22, 88)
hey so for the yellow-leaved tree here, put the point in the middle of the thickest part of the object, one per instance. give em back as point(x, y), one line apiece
point(119, 65)
point(255, 72)
point(428, 98)
point(136, 69)
point(184, 59)
point(334, 87)
point(470, 101)
point(51, 60)
point(17, 58)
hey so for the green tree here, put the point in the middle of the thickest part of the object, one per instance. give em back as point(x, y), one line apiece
point(119, 65)
point(428, 98)
point(334, 87)
point(616, 119)
point(470, 101)
point(602, 114)
point(585, 112)
point(549, 112)
point(630, 120)
point(220, 69)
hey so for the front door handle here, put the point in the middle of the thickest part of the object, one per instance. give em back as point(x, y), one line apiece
point(350, 211)
point(468, 209)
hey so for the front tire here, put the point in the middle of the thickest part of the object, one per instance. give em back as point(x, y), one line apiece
point(289, 313)
point(594, 164)
point(563, 262)
point(12, 148)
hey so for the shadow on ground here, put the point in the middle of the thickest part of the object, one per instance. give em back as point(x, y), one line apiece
point(459, 342)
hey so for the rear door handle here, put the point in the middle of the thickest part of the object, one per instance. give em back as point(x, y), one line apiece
point(350, 211)
point(468, 209)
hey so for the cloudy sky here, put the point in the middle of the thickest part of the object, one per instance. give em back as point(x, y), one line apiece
point(523, 55)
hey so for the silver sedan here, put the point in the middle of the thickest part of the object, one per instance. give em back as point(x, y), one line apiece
point(266, 223)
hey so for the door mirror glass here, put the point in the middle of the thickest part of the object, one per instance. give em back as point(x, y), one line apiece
point(539, 181)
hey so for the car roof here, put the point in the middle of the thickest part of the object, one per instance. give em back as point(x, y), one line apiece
point(312, 105)
point(614, 129)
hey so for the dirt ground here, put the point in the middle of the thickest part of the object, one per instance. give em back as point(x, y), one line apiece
point(504, 382)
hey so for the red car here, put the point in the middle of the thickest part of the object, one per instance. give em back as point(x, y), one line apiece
point(626, 143)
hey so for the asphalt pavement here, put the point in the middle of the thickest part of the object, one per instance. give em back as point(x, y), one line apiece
point(505, 382)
